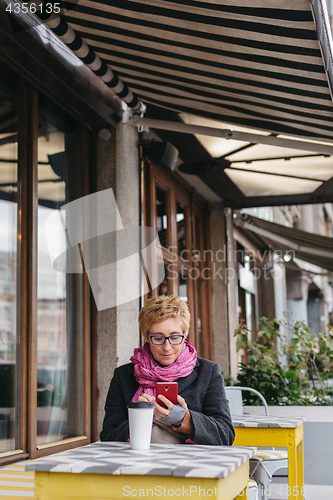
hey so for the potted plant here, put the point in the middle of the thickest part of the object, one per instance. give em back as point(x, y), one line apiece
point(296, 387)
point(309, 364)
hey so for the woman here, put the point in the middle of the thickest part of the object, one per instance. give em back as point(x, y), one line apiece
point(202, 415)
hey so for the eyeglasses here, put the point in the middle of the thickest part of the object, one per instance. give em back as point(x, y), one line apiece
point(173, 339)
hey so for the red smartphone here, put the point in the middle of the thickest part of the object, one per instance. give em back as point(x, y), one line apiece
point(167, 389)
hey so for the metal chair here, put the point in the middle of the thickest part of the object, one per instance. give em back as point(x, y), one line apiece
point(234, 395)
point(253, 490)
point(266, 462)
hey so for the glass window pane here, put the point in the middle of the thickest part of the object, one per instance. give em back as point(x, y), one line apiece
point(183, 286)
point(163, 288)
point(197, 254)
point(197, 234)
point(162, 216)
point(60, 295)
point(248, 308)
point(199, 319)
point(9, 421)
point(181, 229)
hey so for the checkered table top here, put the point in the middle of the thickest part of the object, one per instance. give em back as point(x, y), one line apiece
point(266, 421)
point(160, 460)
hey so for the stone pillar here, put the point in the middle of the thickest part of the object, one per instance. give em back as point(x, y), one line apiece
point(267, 286)
point(219, 287)
point(232, 288)
point(280, 299)
point(297, 294)
point(312, 218)
point(128, 201)
point(117, 327)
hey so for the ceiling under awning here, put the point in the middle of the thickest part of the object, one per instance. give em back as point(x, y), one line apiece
point(254, 64)
point(265, 171)
point(293, 242)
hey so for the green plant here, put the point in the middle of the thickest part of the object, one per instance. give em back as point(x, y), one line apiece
point(310, 361)
point(228, 379)
point(44, 397)
point(262, 371)
point(7, 377)
point(55, 396)
point(302, 382)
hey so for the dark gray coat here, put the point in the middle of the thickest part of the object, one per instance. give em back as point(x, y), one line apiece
point(202, 390)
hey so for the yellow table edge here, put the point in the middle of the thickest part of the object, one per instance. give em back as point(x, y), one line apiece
point(81, 486)
point(284, 437)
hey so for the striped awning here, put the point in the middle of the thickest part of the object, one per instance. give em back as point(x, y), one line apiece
point(264, 64)
point(294, 242)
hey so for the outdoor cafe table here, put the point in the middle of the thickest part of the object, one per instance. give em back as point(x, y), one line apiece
point(111, 470)
point(284, 432)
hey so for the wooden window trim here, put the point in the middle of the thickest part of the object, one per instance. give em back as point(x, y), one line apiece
point(81, 440)
point(207, 298)
point(87, 385)
point(12, 456)
point(32, 196)
point(178, 190)
point(27, 207)
point(204, 266)
point(22, 275)
point(27, 263)
point(58, 446)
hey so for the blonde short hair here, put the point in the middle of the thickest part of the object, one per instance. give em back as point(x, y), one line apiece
point(158, 309)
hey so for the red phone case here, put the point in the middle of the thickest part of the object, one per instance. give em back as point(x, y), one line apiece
point(167, 389)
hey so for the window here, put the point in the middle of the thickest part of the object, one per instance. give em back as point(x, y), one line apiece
point(178, 214)
point(59, 296)
point(44, 320)
point(162, 216)
point(181, 229)
point(247, 288)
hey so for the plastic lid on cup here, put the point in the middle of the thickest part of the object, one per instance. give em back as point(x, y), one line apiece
point(140, 404)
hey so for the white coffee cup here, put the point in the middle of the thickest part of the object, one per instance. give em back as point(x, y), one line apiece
point(140, 416)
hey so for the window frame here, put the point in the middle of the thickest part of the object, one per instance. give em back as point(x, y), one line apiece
point(178, 190)
point(27, 201)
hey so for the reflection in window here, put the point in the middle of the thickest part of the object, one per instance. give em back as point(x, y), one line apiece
point(181, 229)
point(163, 288)
point(162, 217)
point(196, 252)
point(60, 307)
point(8, 264)
point(249, 311)
point(199, 320)
point(183, 286)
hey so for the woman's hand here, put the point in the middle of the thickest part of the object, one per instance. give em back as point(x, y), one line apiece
point(160, 411)
point(145, 398)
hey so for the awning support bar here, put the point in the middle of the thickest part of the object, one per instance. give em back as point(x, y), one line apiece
point(271, 140)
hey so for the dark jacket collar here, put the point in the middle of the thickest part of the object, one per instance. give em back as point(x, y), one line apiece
point(184, 382)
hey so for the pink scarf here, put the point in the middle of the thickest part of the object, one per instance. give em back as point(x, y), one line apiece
point(147, 372)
